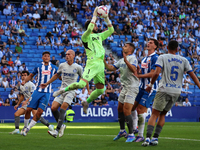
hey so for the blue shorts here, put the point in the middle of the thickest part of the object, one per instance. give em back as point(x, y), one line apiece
point(144, 98)
point(39, 100)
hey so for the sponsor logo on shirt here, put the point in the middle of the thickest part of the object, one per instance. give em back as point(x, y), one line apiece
point(46, 72)
point(144, 65)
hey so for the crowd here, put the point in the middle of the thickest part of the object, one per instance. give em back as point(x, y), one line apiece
point(141, 20)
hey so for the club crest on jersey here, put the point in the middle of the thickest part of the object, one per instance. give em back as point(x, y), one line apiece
point(50, 68)
point(26, 88)
point(74, 70)
point(46, 72)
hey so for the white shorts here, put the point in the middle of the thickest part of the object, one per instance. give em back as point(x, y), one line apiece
point(24, 107)
point(128, 95)
point(164, 101)
point(65, 97)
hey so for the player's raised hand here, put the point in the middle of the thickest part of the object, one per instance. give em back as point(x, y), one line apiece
point(16, 106)
point(95, 12)
point(23, 82)
point(124, 55)
point(148, 89)
point(43, 85)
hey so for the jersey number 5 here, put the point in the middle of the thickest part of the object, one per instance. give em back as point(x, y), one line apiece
point(174, 73)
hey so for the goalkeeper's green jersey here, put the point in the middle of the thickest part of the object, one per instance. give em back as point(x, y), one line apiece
point(93, 44)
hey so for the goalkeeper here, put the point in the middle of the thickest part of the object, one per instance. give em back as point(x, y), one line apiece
point(94, 68)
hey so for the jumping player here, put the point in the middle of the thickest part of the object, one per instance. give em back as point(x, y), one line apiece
point(95, 52)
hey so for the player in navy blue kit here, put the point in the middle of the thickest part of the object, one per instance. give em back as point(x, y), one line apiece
point(144, 99)
point(40, 97)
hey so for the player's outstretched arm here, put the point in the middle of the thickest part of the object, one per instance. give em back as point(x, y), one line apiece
point(104, 35)
point(90, 26)
point(109, 67)
point(194, 78)
point(20, 100)
point(55, 76)
point(154, 78)
point(28, 78)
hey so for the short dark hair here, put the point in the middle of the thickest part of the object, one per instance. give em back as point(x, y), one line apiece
point(132, 46)
point(25, 71)
point(70, 107)
point(173, 45)
point(87, 24)
point(46, 52)
point(155, 42)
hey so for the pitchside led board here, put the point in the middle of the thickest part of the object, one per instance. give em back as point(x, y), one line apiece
point(108, 114)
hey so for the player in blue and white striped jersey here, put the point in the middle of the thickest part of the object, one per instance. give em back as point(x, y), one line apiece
point(144, 99)
point(40, 97)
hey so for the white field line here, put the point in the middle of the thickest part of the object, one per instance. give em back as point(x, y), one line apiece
point(168, 138)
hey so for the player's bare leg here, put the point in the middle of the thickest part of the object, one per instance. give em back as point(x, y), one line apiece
point(135, 117)
point(60, 127)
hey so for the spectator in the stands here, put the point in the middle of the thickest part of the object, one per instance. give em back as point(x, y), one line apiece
point(187, 103)
point(31, 24)
point(17, 62)
point(52, 40)
point(21, 31)
point(66, 41)
point(6, 11)
point(1, 101)
point(11, 39)
point(14, 31)
point(12, 21)
point(12, 96)
point(4, 60)
point(2, 6)
point(54, 61)
point(39, 41)
point(1, 31)
point(23, 67)
point(13, 82)
point(83, 95)
point(78, 57)
point(13, 69)
point(7, 102)
point(5, 83)
point(63, 53)
point(39, 25)
point(121, 44)
point(36, 16)
point(18, 49)
point(73, 41)
point(49, 16)
point(55, 28)
point(56, 16)
point(78, 42)
point(110, 39)
point(5, 70)
point(46, 41)
point(8, 53)
point(10, 62)
point(43, 16)
point(112, 95)
point(58, 41)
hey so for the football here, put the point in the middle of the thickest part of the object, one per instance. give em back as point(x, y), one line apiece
point(102, 12)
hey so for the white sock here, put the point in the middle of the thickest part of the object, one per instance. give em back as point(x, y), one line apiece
point(16, 129)
point(141, 124)
point(135, 119)
point(131, 134)
point(122, 130)
point(31, 124)
point(26, 121)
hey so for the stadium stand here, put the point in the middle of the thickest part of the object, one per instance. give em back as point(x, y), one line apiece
point(162, 20)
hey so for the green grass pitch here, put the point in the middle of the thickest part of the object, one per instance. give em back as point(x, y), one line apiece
point(98, 136)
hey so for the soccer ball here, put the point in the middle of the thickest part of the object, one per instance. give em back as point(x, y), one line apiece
point(102, 12)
